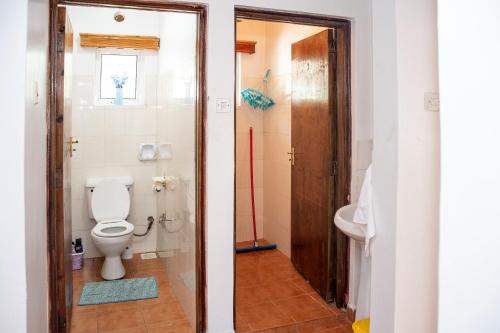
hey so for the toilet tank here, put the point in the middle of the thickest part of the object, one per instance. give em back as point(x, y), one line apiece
point(93, 181)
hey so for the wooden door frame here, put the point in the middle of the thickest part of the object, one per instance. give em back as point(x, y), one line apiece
point(343, 127)
point(54, 255)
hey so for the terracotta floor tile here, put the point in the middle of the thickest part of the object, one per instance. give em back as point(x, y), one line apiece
point(118, 306)
point(84, 322)
point(82, 309)
point(128, 317)
point(320, 325)
point(263, 316)
point(278, 290)
point(241, 324)
point(303, 284)
point(302, 308)
point(142, 329)
point(163, 312)
point(168, 327)
point(283, 329)
point(115, 320)
point(284, 287)
point(249, 296)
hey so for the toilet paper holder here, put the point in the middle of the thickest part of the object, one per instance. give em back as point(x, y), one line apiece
point(164, 182)
point(159, 183)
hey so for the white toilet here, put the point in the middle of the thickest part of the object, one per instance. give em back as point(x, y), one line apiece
point(109, 205)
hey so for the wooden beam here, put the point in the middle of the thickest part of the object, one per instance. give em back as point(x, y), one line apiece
point(119, 41)
point(245, 46)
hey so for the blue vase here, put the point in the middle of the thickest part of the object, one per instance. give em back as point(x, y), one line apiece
point(119, 96)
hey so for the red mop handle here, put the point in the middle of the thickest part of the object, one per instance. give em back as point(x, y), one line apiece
point(252, 189)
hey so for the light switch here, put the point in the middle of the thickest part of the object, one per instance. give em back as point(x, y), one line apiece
point(431, 101)
point(223, 105)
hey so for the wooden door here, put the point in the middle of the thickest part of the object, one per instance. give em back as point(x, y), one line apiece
point(313, 166)
point(63, 152)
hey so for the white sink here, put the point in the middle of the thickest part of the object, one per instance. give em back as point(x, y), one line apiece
point(343, 221)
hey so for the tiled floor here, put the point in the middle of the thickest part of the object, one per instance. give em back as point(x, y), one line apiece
point(163, 314)
point(271, 296)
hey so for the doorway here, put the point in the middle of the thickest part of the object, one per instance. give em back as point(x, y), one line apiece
point(292, 169)
point(162, 130)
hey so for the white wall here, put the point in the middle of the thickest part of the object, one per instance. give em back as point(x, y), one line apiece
point(469, 74)
point(220, 148)
point(23, 306)
point(419, 162)
point(252, 70)
point(406, 167)
point(12, 87)
point(35, 167)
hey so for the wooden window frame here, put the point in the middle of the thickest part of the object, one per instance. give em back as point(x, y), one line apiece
point(245, 46)
point(120, 41)
point(55, 256)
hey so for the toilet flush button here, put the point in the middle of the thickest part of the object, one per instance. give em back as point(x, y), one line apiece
point(223, 105)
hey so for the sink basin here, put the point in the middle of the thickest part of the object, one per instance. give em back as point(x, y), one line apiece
point(343, 221)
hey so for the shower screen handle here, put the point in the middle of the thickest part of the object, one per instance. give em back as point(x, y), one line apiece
point(72, 141)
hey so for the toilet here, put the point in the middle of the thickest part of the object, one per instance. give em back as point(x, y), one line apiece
point(109, 205)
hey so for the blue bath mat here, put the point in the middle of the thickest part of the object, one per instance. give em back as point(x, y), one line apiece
point(118, 291)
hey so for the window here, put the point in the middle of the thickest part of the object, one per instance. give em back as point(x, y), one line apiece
point(119, 69)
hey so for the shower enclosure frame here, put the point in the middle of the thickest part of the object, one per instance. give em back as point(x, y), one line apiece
point(55, 226)
point(343, 127)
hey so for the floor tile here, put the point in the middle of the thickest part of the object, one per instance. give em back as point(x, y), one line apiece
point(141, 329)
point(274, 271)
point(263, 316)
point(279, 290)
point(168, 327)
point(249, 296)
point(85, 322)
point(115, 320)
point(302, 308)
point(163, 312)
point(128, 317)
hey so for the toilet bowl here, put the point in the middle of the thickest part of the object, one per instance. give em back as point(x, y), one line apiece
point(110, 205)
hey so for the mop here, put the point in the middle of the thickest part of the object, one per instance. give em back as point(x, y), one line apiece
point(255, 246)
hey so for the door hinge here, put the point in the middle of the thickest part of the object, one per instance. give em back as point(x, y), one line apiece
point(334, 168)
point(61, 324)
point(333, 48)
point(58, 178)
point(60, 42)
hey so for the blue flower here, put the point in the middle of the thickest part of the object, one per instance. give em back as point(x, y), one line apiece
point(119, 81)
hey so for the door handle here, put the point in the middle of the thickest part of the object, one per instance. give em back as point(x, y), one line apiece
point(72, 141)
point(292, 155)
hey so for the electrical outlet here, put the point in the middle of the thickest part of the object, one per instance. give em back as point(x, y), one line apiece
point(223, 105)
point(431, 101)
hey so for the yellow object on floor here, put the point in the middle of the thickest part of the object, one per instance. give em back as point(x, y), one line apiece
point(361, 326)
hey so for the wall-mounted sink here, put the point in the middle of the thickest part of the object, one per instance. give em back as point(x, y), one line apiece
point(344, 221)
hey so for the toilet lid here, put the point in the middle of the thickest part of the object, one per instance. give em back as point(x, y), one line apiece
point(113, 229)
point(110, 201)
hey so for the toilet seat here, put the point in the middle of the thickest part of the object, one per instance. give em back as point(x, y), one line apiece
point(112, 229)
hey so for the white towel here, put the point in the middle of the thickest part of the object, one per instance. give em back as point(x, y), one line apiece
point(364, 211)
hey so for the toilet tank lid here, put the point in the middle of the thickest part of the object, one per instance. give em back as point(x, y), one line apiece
point(93, 181)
